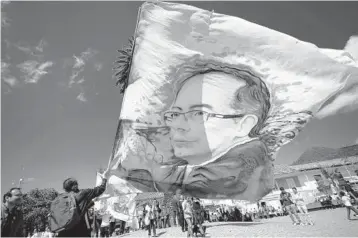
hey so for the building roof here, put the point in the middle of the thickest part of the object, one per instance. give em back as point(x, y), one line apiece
point(319, 154)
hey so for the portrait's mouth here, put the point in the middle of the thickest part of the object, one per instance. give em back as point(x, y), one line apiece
point(183, 142)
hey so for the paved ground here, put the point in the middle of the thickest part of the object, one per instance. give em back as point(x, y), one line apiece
point(329, 223)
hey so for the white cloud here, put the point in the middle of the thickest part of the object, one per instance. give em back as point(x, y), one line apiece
point(82, 80)
point(32, 50)
point(26, 49)
point(5, 21)
point(98, 66)
point(5, 68)
point(356, 142)
point(41, 45)
point(11, 81)
point(8, 79)
point(34, 70)
point(77, 65)
point(89, 53)
point(45, 65)
point(82, 97)
point(79, 62)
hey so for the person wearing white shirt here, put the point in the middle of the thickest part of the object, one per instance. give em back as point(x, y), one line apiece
point(47, 233)
point(297, 198)
point(150, 219)
point(105, 225)
point(36, 234)
point(188, 215)
point(347, 203)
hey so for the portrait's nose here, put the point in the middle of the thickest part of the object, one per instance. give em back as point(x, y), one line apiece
point(182, 124)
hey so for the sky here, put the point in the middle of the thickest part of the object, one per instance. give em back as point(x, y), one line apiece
point(59, 103)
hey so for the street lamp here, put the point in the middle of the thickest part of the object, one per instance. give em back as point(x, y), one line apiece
point(20, 182)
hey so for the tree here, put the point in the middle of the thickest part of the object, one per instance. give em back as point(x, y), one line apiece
point(36, 207)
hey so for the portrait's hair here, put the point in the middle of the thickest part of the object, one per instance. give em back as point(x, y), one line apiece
point(9, 194)
point(68, 184)
point(253, 98)
point(282, 188)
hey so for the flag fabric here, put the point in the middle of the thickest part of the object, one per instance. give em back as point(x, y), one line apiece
point(211, 98)
point(118, 199)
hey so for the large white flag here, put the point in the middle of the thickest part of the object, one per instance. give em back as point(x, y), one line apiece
point(211, 98)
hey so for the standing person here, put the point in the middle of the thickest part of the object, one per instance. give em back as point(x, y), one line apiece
point(158, 215)
point(150, 220)
point(175, 207)
point(47, 233)
point(36, 234)
point(105, 225)
point(167, 218)
point(286, 202)
point(182, 221)
point(297, 198)
point(347, 203)
point(144, 225)
point(188, 215)
point(198, 218)
point(140, 218)
point(11, 214)
point(83, 198)
point(93, 220)
point(163, 215)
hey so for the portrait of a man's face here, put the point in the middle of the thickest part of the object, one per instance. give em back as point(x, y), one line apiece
point(211, 112)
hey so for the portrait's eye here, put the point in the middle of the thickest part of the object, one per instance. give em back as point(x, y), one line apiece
point(199, 113)
point(174, 115)
point(171, 115)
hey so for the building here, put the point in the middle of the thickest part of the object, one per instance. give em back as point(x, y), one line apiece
point(164, 199)
point(306, 172)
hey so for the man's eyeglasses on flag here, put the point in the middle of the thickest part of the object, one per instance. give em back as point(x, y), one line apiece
point(196, 116)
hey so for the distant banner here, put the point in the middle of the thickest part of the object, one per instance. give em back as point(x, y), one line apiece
point(210, 99)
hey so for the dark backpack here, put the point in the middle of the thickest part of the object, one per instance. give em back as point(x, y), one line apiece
point(64, 213)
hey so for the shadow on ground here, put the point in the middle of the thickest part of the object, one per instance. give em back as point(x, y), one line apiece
point(161, 233)
point(233, 224)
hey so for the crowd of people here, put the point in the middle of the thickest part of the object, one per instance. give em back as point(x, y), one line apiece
point(185, 212)
point(295, 206)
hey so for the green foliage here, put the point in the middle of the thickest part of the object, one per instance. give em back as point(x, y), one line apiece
point(123, 65)
point(36, 207)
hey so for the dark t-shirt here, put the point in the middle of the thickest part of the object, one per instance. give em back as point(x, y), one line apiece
point(285, 198)
point(83, 198)
point(176, 205)
point(11, 222)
